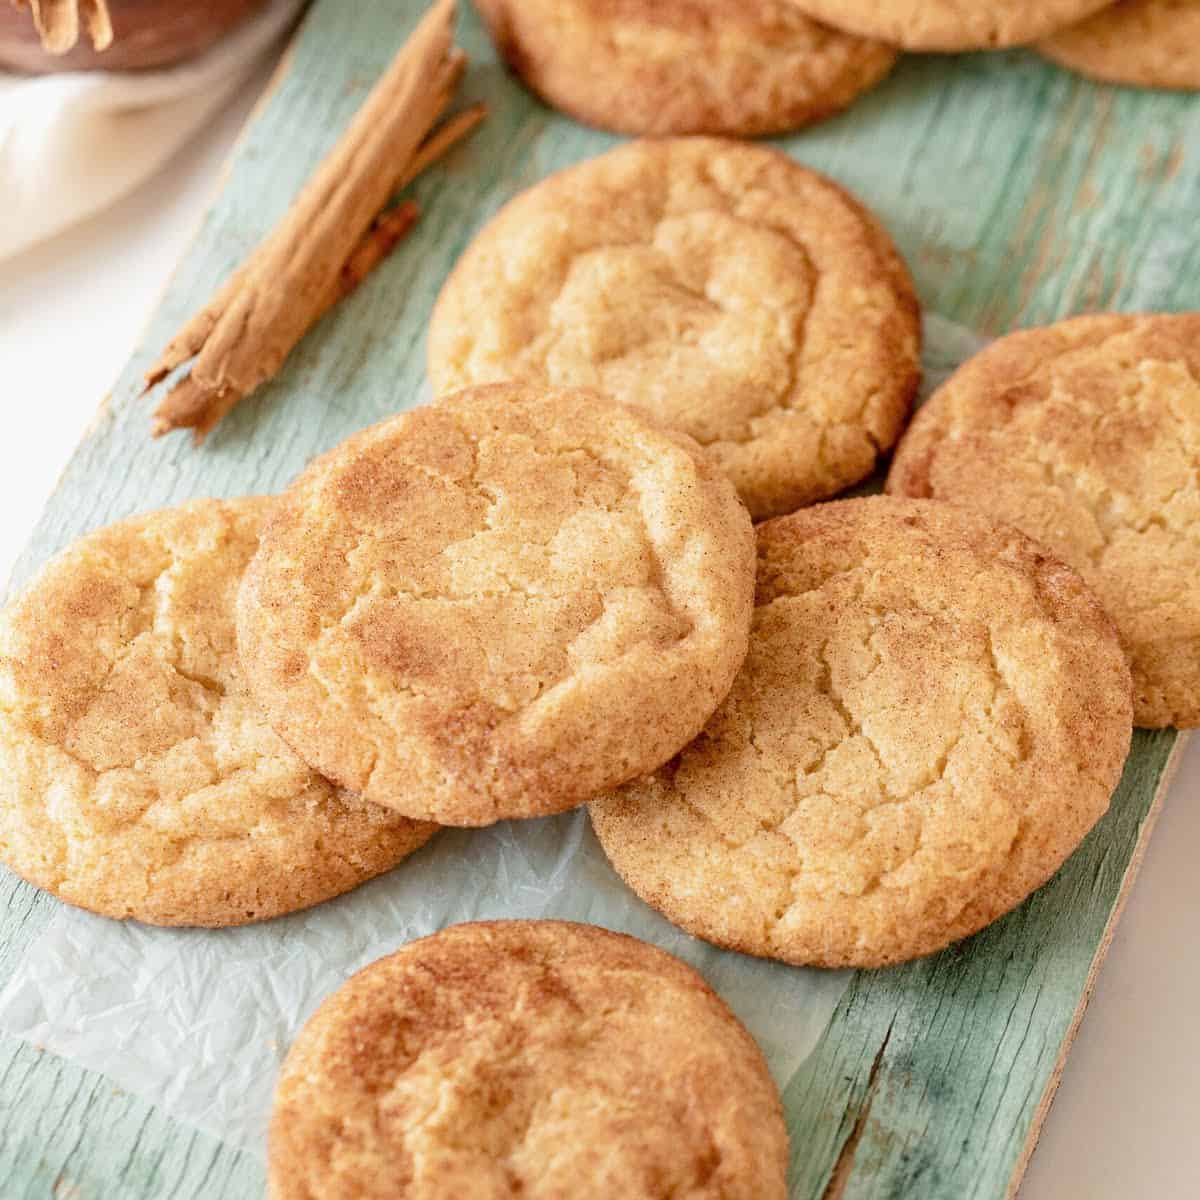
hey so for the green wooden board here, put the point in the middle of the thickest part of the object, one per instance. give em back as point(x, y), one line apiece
point(1019, 194)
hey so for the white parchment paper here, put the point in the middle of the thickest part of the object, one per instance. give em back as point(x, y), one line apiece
point(197, 1021)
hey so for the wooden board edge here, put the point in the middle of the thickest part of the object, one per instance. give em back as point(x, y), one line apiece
point(1134, 866)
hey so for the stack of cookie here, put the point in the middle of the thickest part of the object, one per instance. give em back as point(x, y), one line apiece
point(749, 68)
point(138, 776)
point(933, 710)
point(847, 737)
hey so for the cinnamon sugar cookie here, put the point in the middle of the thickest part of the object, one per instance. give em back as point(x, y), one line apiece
point(951, 24)
point(684, 66)
point(1086, 435)
point(1147, 43)
point(720, 287)
point(932, 715)
point(530, 1059)
point(499, 605)
point(137, 776)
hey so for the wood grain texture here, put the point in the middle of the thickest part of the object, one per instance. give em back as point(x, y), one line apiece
point(930, 1079)
point(1019, 193)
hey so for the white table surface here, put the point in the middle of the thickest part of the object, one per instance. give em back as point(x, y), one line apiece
point(1126, 1120)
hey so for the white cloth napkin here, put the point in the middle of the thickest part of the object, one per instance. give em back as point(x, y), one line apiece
point(72, 144)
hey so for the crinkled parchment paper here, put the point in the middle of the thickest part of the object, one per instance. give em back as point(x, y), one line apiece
point(197, 1021)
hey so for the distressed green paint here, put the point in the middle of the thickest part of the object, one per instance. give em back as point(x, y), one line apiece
point(933, 1072)
point(1018, 194)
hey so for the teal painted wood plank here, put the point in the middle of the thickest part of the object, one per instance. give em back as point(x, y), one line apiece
point(70, 1134)
point(1018, 194)
point(931, 1076)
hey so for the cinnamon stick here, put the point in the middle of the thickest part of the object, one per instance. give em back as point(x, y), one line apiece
point(441, 141)
point(58, 22)
point(328, 240)
point(380, 240)
point(191, 406)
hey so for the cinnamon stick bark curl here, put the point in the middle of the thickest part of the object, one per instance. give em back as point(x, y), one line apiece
point(332, 233)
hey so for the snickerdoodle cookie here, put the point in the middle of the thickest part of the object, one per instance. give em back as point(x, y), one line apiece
point(498, 606)
point(932, 715)
point(1148, 43)
point(530, 1059)
point(951, 24)
point(1086, 435)
point(137, 776)
point(720, 287)
point(685, 66)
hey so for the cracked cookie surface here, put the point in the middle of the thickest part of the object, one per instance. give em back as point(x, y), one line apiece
point(720, 287)
point(685, 66)
point(1148, 43)
point(138, 778)
point(932, 715)
point(1086, 436)
point(951, 24)
point(499, 605)
point(532, 1059)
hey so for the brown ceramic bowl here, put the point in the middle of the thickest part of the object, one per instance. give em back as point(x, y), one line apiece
point(147, 33)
